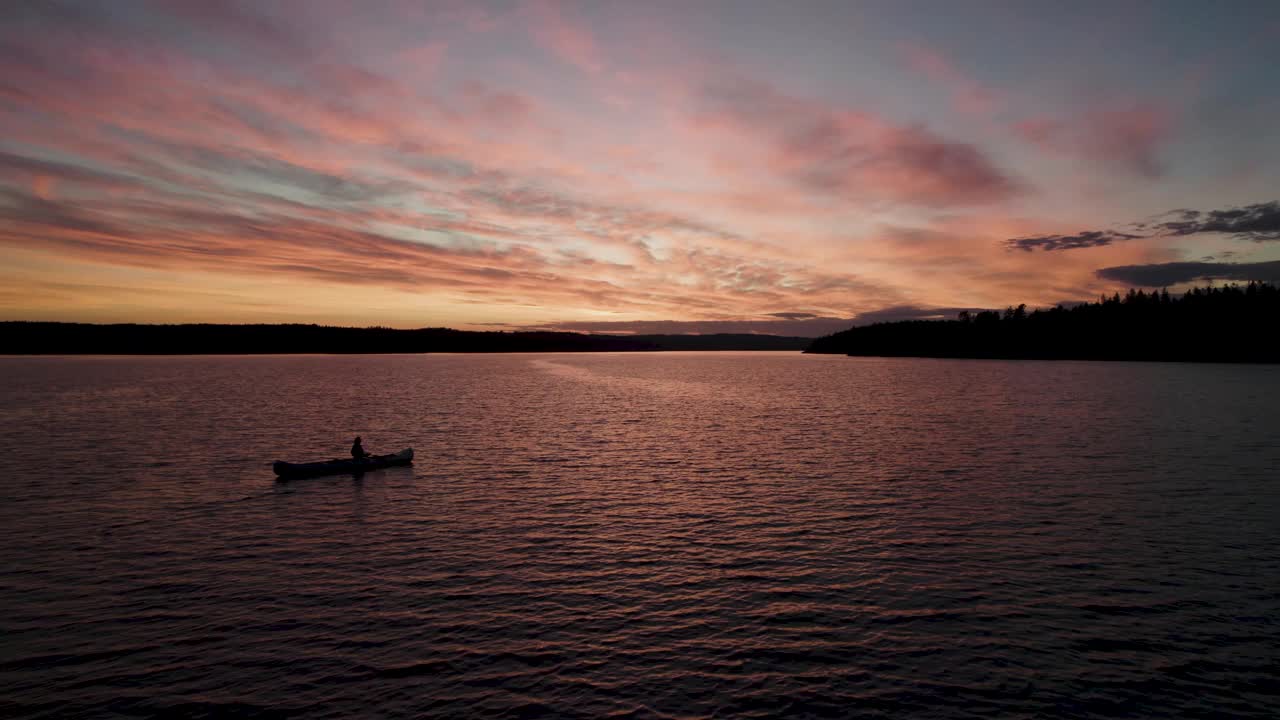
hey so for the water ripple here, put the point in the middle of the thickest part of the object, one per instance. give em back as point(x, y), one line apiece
point(640, 536)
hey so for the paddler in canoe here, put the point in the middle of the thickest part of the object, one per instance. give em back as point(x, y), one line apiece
point(360, 462)
point(357, 450)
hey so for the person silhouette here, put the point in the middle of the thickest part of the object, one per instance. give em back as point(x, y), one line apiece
point(357, 450)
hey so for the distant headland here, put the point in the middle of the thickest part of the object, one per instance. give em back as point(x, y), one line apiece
point(56, 338)
point(1223, 324)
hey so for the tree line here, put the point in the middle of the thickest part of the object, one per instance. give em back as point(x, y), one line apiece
point(55, 338)
point(1232, 323)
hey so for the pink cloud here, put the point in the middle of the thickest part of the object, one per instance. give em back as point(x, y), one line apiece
point(1042, 132)
point(423, 61)
point(1129, 138)
point(1133, 136)
point(42, 187)
point(851, 154)
point(967, 94)
point(566, 39)
point(224, 19)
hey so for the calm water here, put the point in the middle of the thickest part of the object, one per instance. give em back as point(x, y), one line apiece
point(657, 535)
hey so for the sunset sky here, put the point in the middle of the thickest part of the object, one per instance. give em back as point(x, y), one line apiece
point(784, 167)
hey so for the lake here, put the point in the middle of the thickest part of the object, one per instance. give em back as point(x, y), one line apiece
point(675, 535)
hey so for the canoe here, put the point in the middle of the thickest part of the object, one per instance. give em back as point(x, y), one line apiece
point(293, 471)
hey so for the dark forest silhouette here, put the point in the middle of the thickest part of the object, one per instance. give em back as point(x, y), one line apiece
point(50, 338)
point(1234, 323)
point(1225, 324)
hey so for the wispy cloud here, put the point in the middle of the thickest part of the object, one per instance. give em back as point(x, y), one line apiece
point(1174, 273)
point(967, 94)
point(1084, 239)
point(855, 154)
point(567, 40)
point(1259, 222)
point(1130, 139)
